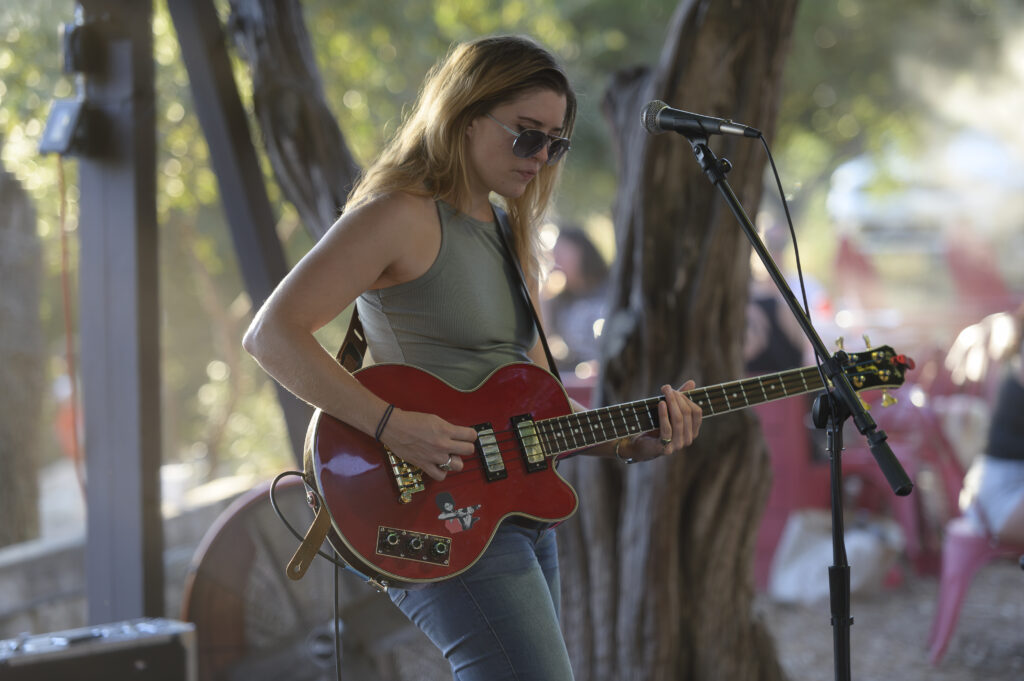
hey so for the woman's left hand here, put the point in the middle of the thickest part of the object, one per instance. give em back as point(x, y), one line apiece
point(679, 419)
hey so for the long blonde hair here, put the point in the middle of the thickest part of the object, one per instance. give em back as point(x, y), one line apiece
point(427, 155)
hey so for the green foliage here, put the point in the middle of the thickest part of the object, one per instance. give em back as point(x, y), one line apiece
point(863, 79)
point(846, 86)
point(847, 92)
point(373, 57)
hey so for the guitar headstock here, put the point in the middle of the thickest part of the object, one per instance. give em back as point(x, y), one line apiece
point(878, 367)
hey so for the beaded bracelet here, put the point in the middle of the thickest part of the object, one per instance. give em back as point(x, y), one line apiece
point(384, 421)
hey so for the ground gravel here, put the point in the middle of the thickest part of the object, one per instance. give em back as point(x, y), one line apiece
point(888, 640)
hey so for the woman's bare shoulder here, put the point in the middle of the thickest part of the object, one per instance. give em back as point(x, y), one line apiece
point(391, 215)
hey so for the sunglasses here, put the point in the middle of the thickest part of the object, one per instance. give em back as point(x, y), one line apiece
point(529, 142)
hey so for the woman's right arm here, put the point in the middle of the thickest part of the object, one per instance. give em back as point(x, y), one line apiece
point(375, 245)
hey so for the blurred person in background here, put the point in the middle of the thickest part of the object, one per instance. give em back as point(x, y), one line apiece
point(993, 493)
point(578, 286)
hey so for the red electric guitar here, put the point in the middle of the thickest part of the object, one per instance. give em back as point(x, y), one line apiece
point(402, 528)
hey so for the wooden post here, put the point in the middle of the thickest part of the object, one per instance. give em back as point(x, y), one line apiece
point(243, 192)
point(119, 319)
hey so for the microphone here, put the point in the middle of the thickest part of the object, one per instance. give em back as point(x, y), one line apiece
point(658, 117)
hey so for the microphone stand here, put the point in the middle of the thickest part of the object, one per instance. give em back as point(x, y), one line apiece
point(831, 410)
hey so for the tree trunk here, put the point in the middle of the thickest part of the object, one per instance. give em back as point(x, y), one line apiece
point(657, 565)
point(310, 159)
point(22, 353)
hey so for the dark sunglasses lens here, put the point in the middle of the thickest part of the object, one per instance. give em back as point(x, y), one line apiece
point(557, 150)
point(529, 143)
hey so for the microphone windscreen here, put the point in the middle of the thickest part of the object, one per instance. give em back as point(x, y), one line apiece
point(649, 116)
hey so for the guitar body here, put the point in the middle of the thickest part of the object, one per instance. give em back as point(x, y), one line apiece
point(440, 528)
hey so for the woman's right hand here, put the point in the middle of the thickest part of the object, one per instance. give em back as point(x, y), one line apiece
point(426, 441)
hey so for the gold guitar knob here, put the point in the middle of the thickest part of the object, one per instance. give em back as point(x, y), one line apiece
point(887, 399)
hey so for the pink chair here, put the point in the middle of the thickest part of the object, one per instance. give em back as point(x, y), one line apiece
point(964, 552)
point(917, 439)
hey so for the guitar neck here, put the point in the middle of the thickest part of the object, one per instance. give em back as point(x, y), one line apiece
point(594, 426)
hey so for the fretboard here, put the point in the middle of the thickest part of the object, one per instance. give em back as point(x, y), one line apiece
point(586, 428)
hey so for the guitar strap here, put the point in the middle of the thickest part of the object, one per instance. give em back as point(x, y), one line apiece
point(505, 231)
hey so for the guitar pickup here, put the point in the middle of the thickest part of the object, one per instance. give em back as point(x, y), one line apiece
point(529, 443)
point(409, 545)
point(490, 452)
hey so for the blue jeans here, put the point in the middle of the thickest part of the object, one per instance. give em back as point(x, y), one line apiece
point(499, 619)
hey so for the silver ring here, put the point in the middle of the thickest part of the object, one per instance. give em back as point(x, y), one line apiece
point(665, 442)
point(447, 465)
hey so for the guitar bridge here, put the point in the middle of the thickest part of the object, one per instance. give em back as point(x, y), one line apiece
point(408, 478)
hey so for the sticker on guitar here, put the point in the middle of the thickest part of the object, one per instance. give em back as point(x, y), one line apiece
point(455, 519)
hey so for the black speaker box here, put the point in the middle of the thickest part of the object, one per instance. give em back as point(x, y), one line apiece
point(133, 650)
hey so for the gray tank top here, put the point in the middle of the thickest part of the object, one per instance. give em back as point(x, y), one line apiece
point(463, 318)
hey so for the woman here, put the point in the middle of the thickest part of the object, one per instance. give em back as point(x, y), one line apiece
point(417, 248)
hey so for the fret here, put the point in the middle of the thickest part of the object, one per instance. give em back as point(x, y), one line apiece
point(600, 422)
point(746, 400)
point(761, 383)
point(574, 429)
point(578, 437)
point(544, 429)
point(552, 438)
point(615, 415)
point(595, 423)
point(803, 377)
point(728, 407)
point(590, 424)
point(625, 425)
point(636, 417)
point(634, 423)
point(706, 401)
point(560, 433)
point(652, 414)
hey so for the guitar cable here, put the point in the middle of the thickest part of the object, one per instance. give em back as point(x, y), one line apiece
point(336, 561)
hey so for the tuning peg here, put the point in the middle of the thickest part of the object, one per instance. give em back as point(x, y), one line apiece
point(839, 343)
point(867, 341)
point(887, 399)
